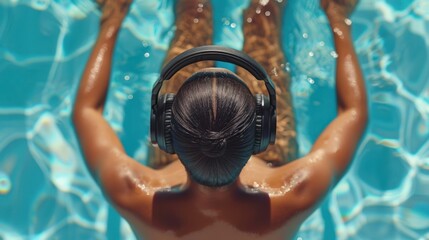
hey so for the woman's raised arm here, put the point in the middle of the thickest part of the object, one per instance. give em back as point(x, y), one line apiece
point(339, 140)
point(97, 139)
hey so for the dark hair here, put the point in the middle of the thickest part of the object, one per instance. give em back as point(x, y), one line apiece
point(213, 127)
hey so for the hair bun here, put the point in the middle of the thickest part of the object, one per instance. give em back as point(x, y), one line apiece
point(213, 147)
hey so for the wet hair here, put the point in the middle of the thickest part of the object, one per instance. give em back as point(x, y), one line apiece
point(213, 127)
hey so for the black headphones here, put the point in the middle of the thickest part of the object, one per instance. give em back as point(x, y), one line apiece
point(161, 114)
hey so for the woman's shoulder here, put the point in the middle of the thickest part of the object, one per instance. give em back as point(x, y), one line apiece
point(303, 181)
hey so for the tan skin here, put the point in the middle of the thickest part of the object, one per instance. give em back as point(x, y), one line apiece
point(264, 202)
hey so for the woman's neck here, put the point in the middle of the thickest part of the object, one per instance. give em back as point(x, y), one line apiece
point(223, 192)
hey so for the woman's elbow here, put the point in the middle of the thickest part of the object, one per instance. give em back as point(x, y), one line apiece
point(361, 116)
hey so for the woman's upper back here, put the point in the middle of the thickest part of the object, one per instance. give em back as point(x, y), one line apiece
point(261, 208)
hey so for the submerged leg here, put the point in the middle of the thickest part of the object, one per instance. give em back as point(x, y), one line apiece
point(193, 29)
point(262, 22)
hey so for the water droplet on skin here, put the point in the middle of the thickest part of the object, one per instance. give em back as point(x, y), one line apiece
point(267, 13)
point(263, 2)
point(199, 10)
point(196, 20)
point(348, 21)
point(339, 33)
point(258, 10)
point(249, 20)
point(274, 72)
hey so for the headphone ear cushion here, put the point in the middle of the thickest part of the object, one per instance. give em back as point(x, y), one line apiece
point(164, 137)
point(167, 123)
point(258, 124)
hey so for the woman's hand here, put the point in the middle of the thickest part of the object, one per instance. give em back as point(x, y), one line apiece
point(114, 10)
point(338, 10)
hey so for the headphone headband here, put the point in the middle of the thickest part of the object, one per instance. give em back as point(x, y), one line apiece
point(214, 53)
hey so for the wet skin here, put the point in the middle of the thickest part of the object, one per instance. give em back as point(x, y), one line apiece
point(264, 202)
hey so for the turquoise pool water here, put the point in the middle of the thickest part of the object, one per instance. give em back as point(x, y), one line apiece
point(46, 192)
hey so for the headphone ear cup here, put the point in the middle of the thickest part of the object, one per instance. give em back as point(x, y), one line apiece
point(258, 124)
point(263, 122)
point(164, 136)
point(273, 126)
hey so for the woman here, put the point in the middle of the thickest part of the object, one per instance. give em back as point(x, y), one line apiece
point(221, 190)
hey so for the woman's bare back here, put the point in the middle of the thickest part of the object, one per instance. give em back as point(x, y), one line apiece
point(259, 205)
